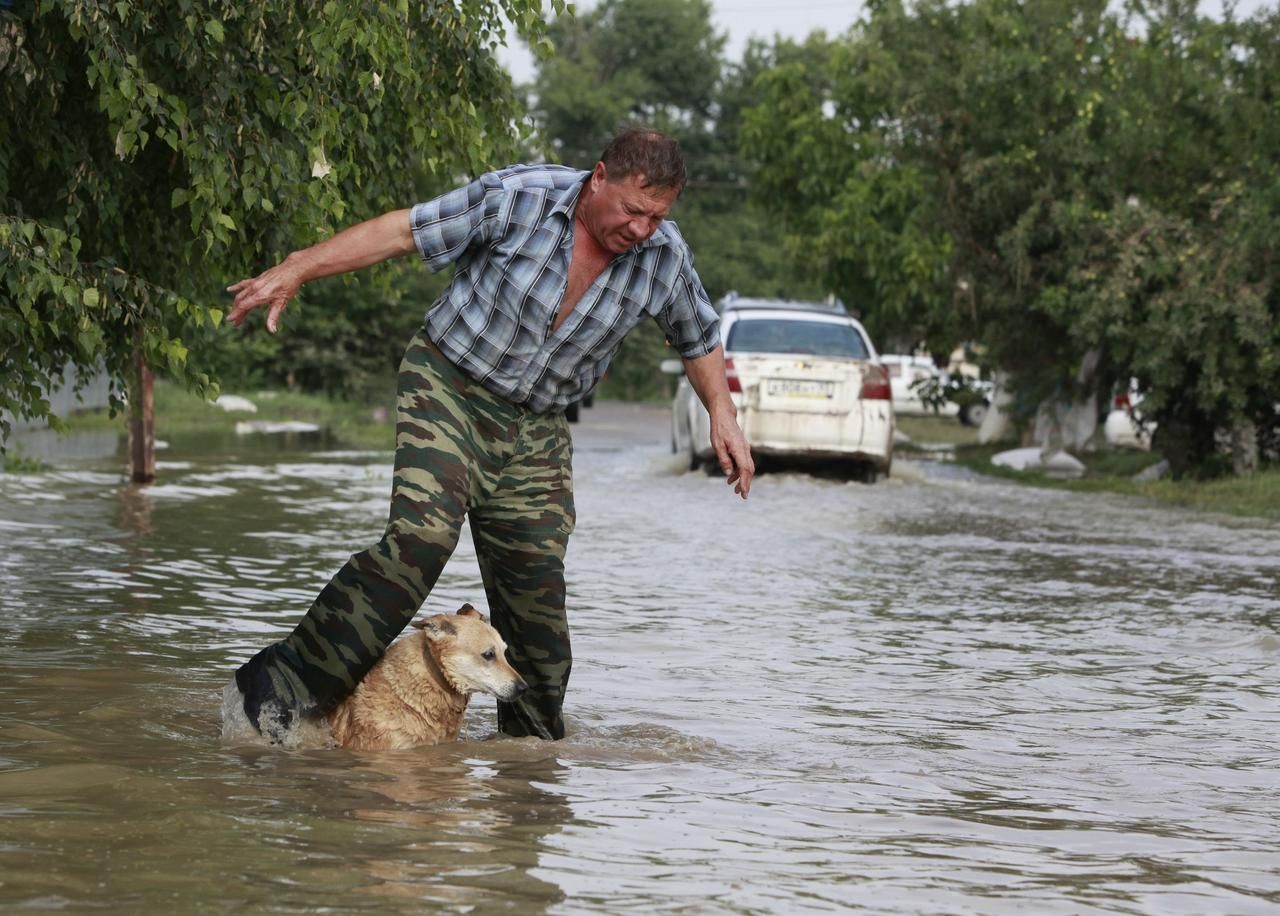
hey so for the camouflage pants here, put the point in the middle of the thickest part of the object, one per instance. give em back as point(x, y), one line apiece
point(461, 452)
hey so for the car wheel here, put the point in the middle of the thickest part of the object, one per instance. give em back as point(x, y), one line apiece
point(571, 412)
point(865, 472)
point(973, 414)
point(694, 461)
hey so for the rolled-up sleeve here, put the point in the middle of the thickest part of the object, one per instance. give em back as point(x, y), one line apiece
point(446, 227)
point(688, 318)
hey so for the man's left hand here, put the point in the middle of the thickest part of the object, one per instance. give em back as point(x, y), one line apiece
point(733, 453)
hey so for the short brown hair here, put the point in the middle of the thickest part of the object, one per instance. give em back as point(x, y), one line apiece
point(648, 153)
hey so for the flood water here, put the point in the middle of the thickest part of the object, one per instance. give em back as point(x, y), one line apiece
point(936, 694)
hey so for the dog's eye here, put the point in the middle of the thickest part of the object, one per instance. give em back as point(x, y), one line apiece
point(489, 655)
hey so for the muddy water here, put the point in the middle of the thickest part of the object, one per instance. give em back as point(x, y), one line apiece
point(935, 694)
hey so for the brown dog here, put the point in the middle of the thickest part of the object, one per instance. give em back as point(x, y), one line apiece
point(417, 693)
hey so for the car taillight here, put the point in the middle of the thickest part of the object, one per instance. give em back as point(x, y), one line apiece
point(875, 384)
point(731, 376)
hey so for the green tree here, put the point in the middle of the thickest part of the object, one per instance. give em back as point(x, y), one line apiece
point(153, 151)
point(735, 233)
point(1176, 280)
point(1057, 180)
point(653, 61)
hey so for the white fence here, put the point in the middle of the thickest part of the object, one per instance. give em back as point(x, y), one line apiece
point(64, 399)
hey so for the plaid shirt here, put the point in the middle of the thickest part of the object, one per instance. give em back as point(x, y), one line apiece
point(511, 235)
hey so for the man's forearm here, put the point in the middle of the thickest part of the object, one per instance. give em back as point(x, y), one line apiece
point(733, 452)
point(362, 245)
point(371, 242)
point(706, 375)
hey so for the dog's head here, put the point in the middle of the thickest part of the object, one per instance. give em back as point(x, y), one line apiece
point(471, 654)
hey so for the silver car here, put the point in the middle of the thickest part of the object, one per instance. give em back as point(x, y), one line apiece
point(807, 384)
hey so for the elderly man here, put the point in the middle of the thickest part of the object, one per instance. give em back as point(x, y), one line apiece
point(552, 267)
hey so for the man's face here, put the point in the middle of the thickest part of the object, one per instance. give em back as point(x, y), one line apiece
point(623, 213)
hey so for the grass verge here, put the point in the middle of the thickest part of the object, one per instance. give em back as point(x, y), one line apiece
point(929, 432)
point(1112, 471)
point(13, 461)
point(178, 411)
point(1107, 471)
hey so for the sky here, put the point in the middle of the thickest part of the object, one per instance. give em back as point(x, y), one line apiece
point(740, 20)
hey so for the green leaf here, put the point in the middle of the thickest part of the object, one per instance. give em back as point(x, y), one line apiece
point(213, 28)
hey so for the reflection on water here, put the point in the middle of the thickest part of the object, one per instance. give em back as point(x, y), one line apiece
point(935, 694)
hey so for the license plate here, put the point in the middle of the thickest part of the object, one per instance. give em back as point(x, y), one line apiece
point(800, 388)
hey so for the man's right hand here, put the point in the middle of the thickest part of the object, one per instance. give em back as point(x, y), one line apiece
point(274, 288)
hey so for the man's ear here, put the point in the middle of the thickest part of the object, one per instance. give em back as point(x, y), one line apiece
point(436, 627)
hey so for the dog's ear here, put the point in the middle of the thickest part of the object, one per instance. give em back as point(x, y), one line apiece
point(468, 611)
point(436, 627)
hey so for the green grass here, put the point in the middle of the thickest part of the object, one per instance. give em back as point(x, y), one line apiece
point(1106, 471)
point(178, 411)
point(1112, 470)
point(13, 461)
point(1254, 495)
point(934, 431)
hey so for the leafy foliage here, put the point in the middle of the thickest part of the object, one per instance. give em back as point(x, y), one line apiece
point(655, 61)
point(153, 151)
point(1060, 181)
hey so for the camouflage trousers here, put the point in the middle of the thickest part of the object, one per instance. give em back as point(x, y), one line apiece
point(461, 453)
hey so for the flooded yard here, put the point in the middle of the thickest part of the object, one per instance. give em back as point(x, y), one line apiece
point(935, 694)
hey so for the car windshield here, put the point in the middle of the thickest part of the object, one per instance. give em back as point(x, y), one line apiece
point(786, 335)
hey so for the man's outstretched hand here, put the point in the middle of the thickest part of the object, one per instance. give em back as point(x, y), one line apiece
point(273, 288)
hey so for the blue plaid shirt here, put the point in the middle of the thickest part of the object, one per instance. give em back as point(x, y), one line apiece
point(510, 234)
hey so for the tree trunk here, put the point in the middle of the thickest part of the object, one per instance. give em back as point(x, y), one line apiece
point(1184, 436)
point(996, 425)
point(1244, 448)
point(142, 419)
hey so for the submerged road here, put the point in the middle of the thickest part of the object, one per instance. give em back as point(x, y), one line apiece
point(937, 693)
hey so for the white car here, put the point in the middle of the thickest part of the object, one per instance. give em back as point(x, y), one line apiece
point(906, 376)
point(807, 384)
point(964, 394)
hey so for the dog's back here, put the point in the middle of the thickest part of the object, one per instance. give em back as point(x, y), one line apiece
point(399, 704)
point(417, 693)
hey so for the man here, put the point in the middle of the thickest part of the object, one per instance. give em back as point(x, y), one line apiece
point(552, 267)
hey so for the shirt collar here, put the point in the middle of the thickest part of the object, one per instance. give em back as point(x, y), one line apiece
point(569, 197)
point(658, 239)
